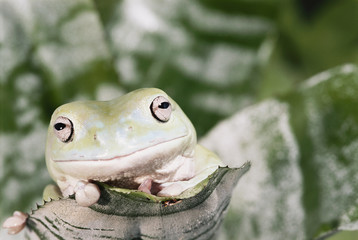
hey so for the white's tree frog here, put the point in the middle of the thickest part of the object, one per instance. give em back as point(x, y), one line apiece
point(141, 140)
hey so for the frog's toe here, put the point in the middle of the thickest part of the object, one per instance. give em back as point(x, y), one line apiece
point(146, 186)
point(170, 190)
point(15, 223)
point(87, 194)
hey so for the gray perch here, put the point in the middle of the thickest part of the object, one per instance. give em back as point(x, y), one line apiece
point(119, 215)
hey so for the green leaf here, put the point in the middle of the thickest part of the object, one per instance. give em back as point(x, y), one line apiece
point(129, 215)
point(303, 148)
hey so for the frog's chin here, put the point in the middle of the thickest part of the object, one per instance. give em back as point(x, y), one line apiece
point(142, 162)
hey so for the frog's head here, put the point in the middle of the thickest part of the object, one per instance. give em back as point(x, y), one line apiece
point(141, 130)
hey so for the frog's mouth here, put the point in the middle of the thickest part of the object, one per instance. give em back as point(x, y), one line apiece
point(122, 156)
point(130, 169)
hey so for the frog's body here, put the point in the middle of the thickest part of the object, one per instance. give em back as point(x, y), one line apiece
point(141, 140)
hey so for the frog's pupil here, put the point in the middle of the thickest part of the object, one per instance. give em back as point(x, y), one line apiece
point(59, 126)
point(164, 105)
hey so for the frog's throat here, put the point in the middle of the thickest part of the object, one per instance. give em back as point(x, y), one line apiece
point(120, 156)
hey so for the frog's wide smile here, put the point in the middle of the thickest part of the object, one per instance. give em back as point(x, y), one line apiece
point(120, 156)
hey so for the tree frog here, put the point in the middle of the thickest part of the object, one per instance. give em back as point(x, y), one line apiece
point(141, 140)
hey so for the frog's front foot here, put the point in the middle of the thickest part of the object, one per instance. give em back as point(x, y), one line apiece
point(15, 223)
point(146, 186)
point(86, 193)
point(170, 190)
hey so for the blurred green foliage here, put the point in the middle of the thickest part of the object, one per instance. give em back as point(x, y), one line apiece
point(214, 58)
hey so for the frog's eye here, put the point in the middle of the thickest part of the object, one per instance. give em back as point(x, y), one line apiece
point(63, 128)
point(161, 109)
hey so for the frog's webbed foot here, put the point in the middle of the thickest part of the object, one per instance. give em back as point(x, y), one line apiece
point(171, 189)
point(150, 187)
point(86, 193)
point(15, 223)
